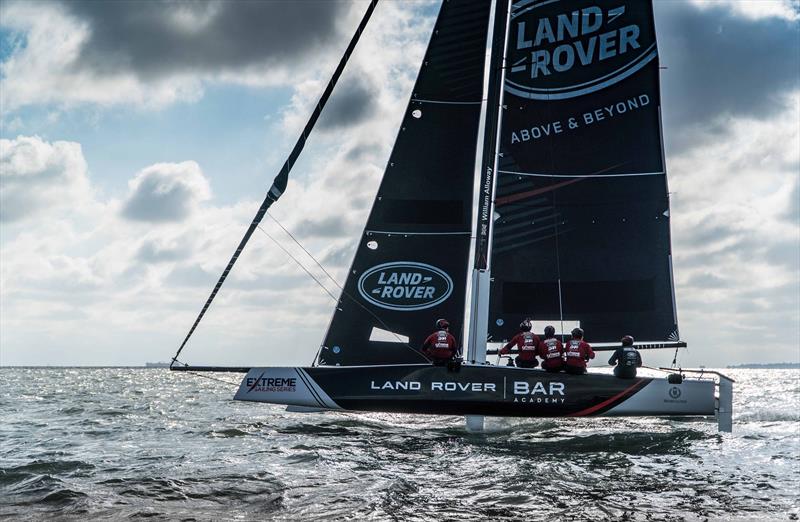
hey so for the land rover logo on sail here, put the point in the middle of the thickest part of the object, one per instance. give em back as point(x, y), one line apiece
point(405, 286)
point(559, 49)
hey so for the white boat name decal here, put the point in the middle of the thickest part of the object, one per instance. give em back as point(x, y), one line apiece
point(523, 388)
point(448, 386)
point(271, 384)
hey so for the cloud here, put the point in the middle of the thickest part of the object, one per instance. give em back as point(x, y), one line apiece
point(722, 64)
point(112, 279)
point(154, 39)
point(166, 192)
point(157, 53)
point(37, 177)
point(792, 213)
point(736, 255)
point(353, 102)
point(159, 251)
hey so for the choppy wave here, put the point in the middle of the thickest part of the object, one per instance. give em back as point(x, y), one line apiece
point(114, 444)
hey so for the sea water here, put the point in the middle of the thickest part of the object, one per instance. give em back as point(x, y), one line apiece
point(135, 443)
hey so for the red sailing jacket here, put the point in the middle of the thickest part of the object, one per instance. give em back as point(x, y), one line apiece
point(551, 352)
point(526, 342)
point(578, 352)
point(440, 345)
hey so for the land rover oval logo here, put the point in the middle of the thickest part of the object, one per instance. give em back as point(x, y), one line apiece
point(405, 286)
point(559, 49)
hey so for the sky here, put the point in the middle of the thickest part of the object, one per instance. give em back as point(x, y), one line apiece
point(137, 140)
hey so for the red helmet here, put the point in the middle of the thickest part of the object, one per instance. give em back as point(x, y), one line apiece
point(627, 340)
point(441, 324)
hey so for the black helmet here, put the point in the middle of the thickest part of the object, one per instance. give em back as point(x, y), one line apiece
point(441, 324)
point(627, 340)
point(549, 332)
point(525, 325)
point(577, 333)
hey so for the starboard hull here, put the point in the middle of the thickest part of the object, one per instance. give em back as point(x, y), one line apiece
point(475, 390)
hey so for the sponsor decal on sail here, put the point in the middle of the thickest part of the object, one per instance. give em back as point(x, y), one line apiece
point(560, 50)
point(405, 286)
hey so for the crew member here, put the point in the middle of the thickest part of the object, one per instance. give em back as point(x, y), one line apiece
point(626, 358)
point(441, 346)
point(551, 351)
point(578, 352)
point(527, 343)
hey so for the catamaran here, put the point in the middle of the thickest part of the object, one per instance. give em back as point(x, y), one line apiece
point(527, 179)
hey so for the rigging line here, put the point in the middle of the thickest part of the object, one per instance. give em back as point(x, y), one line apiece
point(306, 251)
point(555, 223)
point(207, 376)
point(281, 180)
point(344, 293)
point(298, 263)
point(675, 357)
point(212, 378)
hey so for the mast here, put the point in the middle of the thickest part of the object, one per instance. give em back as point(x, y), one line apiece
point(481, 272)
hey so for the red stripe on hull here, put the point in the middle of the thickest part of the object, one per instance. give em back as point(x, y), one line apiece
point(624, 394)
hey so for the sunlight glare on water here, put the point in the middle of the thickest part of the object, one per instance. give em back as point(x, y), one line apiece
point(115, 443)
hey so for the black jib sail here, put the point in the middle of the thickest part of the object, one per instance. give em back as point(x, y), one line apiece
point(582, 210)
point(411, 261)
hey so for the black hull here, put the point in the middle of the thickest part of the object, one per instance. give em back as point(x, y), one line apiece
point(475, 390)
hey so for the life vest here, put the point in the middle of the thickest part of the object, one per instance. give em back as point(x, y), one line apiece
point(441, 340)
point(575, 355)
point(551, 355)
point(628, 358)
point(440, 346)
point(527, 346)
point(528, 342)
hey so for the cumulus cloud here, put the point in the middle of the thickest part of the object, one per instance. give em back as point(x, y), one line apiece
point(156, 53)
point(721, 65)
point(84, 279)
point(735, 224)
point(38, 177)
point(166, 192)
point(353, 102)
point(737, 256)
point(160, 38)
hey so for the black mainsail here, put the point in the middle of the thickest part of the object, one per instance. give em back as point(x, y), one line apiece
point(582, 210)
point(410, 265)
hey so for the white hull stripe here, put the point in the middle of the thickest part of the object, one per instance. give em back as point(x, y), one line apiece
point(323, 398)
